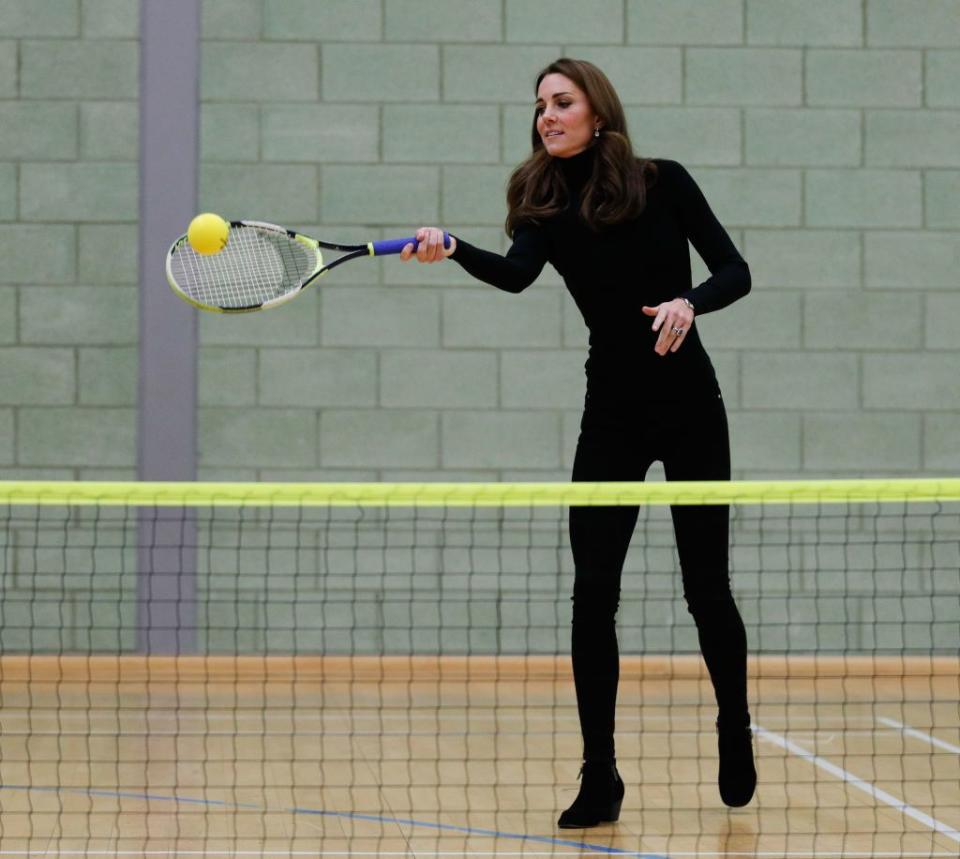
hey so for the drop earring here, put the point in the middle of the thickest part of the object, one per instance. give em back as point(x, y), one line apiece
point(596, 131)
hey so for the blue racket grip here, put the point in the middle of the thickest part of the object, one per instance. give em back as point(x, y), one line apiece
point(395, 246)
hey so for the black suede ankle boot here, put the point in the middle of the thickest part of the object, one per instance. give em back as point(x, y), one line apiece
point(599, 799)
point(738, 775)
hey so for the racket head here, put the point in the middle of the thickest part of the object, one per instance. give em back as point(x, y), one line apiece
point(262, 266)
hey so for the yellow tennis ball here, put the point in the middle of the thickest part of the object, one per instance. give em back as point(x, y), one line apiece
point(208, 233)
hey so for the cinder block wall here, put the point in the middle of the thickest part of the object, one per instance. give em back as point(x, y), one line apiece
point(68, 238)
point(826, 135)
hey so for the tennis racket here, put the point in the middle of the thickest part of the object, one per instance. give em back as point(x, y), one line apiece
point(262, 266)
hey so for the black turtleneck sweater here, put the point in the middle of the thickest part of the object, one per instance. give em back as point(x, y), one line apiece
point(613, 273)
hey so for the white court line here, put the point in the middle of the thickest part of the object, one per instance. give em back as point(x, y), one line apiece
point(919, 735)
point(859, 783)
point(759, 854)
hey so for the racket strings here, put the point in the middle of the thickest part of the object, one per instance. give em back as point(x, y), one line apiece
point(256, 266)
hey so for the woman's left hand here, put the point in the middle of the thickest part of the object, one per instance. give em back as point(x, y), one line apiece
point(673, 321)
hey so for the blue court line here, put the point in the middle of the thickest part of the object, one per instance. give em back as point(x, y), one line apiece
point(350, 815)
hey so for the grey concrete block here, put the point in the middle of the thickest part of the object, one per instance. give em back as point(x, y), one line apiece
point(942, 323)
point(109, 131)
point(913, 23)
point(941, 443)
point(278, 193)
point(911, 138)
point(265, 437)
point(292, 324)
point(708, 136)
point(46, 18)
point(438, 378)
point(858, 79)
point(857, 320)
point(744, 76)
point(78, 192)
point(796, 137)
point(38, 130)
point(593, 21)
point(88, 315)
point(21, 245)
point(764, 441)
point(335, 21)
point(9, 69)
point(509, 72)
point(713, 22)
point(803, 23)
point(379, 316)
point(231, 19)
point(911, 382)
point(8, 315)
point(758, 321)
point(378, 438)
point(320, 133)
point(795, 380)
point(79, 69)
point(911, 260)
point(864, 198)
point(7, 439)
point(108, 253)
point(450, 20)
point(542, 379)
point(82, 437)
point(317, 377)
point(438, 133)
point(506, 439)
point(110, 19)
point(492, 319)
point(406, 193)
point(941, 194)
point(8, 192)
point(752, 197)
point(31, 376)
point(640, 75)
point(809, 259)
point(381, 73)
point(943, 78)
point(229, 132)
point(249, 71)
point(856, 441)
point(107, 376)
point(474, 194)
point(226, 376)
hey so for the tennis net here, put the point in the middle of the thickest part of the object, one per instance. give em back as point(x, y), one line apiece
point(276, 669)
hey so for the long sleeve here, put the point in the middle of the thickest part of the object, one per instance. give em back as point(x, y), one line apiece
point(513, 272)
point(730, 275)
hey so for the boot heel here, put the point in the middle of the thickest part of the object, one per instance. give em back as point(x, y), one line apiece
point(614, 815)
point(599, 799)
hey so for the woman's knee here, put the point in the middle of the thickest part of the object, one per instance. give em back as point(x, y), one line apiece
point(595, 598)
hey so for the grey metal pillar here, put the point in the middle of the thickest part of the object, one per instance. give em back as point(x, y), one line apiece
point(166, 428)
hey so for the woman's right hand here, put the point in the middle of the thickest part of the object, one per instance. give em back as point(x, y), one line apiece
point(430, 246)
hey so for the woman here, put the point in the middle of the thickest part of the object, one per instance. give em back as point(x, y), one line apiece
point(616, 228)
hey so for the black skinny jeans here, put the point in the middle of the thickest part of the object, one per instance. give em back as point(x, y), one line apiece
point(691, 440)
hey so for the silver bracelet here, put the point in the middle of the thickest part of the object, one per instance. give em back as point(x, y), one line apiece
point(689, 304)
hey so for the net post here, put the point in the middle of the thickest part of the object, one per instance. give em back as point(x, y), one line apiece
point(167, 392)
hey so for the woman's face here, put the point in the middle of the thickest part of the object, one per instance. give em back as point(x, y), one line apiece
point(565, 119)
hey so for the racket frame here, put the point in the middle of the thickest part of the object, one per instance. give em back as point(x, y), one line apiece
point(351, 252)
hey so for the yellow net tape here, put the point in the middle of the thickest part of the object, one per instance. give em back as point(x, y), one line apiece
point(188, 494)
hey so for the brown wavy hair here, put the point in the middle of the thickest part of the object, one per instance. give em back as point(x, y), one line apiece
point(617, 190)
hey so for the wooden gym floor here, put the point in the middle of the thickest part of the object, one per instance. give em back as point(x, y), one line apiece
point(217, 756)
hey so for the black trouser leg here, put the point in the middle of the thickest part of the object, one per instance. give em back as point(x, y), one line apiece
point(702, 534)
point(692, 441)
point(599, 539)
